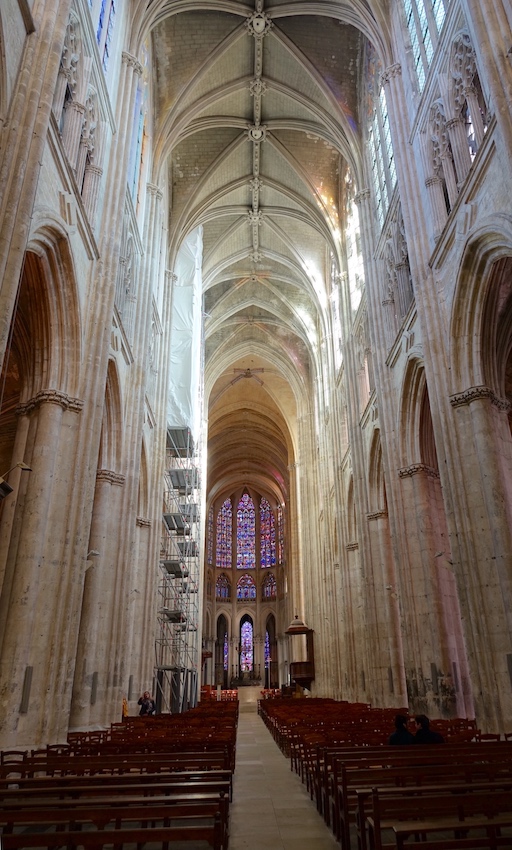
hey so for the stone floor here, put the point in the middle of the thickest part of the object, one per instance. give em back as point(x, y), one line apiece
point(271, 809)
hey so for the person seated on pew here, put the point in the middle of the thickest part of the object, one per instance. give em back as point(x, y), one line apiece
point(401, 735)
point(147, 705)
point(424, 734)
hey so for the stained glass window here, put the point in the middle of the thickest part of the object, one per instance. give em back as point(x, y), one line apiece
point(246, 587)
point(267, 650)
point(209, 537)
point(223, 587)
point(246, 646)
point(280, 534)
point(424, 19)
point(245, 534)
point(226, 651)
point(224, 535)
point(267, 535)
point(269, 587)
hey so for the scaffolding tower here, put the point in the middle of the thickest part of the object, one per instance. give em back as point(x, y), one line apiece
point(177, 649)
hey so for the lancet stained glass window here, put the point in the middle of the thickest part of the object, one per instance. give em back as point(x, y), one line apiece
point(269, 587)
point(209, 537)
point(280, 534)
point(224, 536)
point(245, 534)
point(246, 587)
point(226, 651)
point(223, 587)
point(267, 535)
point(246, 646)
point(267, 650)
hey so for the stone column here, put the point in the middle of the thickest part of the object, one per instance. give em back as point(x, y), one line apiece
point(459, 143)
point(387, 665)
point(36, 607)
point(72, 130)
point(484, 543)
point(430, 630)
point(94, 673)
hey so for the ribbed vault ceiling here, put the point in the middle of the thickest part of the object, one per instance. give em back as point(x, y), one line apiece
point(257, 119)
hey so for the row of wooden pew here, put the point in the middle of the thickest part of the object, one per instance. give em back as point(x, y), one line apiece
point(84, 794)
point(380, 797)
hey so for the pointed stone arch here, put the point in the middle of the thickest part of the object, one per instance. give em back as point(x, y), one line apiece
point(479, 300)
point(111, 430)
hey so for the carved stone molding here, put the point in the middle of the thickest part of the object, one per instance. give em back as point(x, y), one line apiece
point(52, 397)
point(143, 522)
point(416, 469)
point(110, 475)
point(259, 24)
point(377, 515)
point(477, 393)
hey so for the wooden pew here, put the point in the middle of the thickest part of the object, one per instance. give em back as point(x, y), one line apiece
point(210, 833)
point(365, 797)
point(70, 787)
point(469, 838)
point(403, 776)
point(118, 816)
point(117, 763)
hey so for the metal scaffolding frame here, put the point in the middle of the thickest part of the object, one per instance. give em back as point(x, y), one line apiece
point(177, 645)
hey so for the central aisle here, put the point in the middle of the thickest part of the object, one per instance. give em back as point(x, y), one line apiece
point(271, 809)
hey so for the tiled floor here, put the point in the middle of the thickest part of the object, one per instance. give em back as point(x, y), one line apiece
point(271, 809)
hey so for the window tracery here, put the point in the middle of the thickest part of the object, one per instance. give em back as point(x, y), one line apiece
point(246, 587)
point(269, 587)
point(223, 588)
point(424, 20)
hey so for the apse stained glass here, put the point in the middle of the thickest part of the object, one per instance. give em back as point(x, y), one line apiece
point(224, 536)
point(280, 534)
point(246, 587)
point(269, 587)
point(226, 651)
point(223, 587)
point(246, 646)
point(245, 534)
point(267, 535)
point(209, 537)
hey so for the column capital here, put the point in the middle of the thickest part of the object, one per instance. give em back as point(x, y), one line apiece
point(53, 397)
point(132, 62)
point(143, 522)
point(110, 475)
point(418, 469)
point(362, 196)
point(476, 394)
point(394, 70)
point(155, 190)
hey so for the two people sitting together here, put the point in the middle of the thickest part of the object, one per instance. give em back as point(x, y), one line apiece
point(424, 734)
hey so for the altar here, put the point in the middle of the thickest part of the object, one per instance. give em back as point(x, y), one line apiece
point(248, 698)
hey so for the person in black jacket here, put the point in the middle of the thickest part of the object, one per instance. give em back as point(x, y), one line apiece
point(424, 734)
point(401, 735)
point(147, 705)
